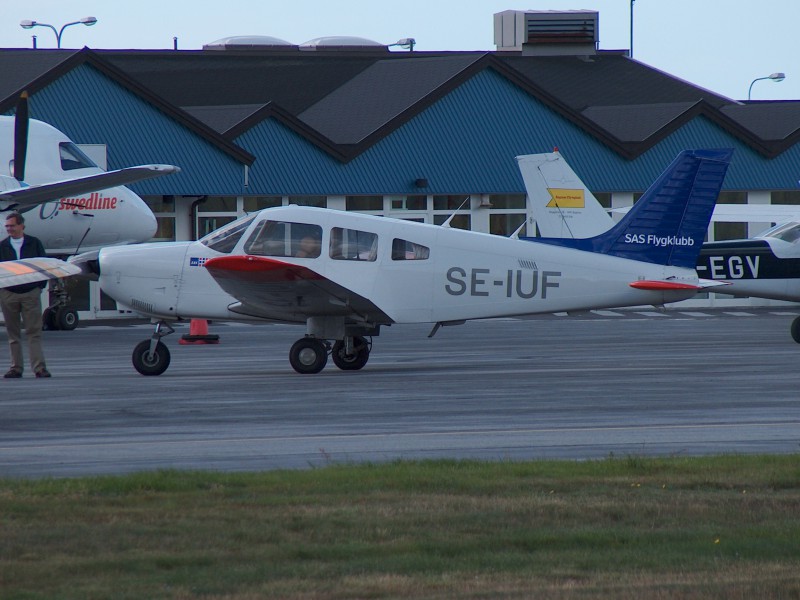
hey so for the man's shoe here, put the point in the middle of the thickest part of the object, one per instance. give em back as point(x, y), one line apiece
point(43, 373)
point(13, 374)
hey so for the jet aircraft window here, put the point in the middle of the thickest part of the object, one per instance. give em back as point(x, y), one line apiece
point(225, 238)
point(73, 157)
point(352, 244)
point(283, 238)
point(405, 250)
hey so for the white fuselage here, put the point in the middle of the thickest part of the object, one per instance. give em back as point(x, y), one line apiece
point(80, 223)
point(467, 275)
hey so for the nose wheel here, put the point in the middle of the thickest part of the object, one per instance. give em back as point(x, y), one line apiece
point(151, 357)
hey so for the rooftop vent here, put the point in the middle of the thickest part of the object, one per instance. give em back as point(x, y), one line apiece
point(547, 32)
point(249, 42)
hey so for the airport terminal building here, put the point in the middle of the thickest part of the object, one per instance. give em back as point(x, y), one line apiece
point(350, 124)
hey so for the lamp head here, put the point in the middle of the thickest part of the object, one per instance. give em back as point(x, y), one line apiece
point(88, 21)
point(778, 76)
point(27, 24)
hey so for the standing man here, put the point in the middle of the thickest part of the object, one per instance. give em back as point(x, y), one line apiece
point(22, 304)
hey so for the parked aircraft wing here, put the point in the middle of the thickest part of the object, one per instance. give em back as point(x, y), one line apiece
point(38, 194)
point(745, 213)
point(30, 270)
point(275, 289)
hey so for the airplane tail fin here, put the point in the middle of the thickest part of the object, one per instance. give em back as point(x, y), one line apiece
point(562, 204)
point(669, 222)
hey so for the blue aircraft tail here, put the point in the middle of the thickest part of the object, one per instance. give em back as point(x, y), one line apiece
point(668, 224)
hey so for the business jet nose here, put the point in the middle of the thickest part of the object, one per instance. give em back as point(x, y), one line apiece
point(140, 222)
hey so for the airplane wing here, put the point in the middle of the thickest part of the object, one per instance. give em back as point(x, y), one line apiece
point(30, 270)
point(746, 213)
point(40, 193)
point(278, 290)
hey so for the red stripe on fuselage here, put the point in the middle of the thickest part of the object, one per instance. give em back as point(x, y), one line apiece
point(662, 285)
point(259, 267)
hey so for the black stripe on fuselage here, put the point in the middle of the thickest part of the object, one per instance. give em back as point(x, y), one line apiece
point(744, 259)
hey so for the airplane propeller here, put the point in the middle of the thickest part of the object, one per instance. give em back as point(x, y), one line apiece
point(21, 137)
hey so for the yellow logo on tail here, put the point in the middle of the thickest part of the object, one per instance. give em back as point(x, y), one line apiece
point(565, 198)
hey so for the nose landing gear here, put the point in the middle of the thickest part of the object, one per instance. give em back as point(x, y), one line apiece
point(151, 357)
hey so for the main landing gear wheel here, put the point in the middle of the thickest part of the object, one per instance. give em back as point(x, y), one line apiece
point(65, 319)
point(150, 364)
point(795, 329)
point(60, 318)
point(308, 356)
point(354, 361)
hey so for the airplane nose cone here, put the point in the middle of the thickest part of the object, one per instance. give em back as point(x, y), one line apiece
point(141, 223)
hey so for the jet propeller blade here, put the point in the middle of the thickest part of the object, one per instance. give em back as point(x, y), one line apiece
point(21, 137)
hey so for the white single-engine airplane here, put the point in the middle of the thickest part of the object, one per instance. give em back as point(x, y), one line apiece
point(344, 275)
point(766, 266)
point(68, 202)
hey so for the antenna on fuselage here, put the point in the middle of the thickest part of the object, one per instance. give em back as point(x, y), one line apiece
point(515, 235)
point(88, 229)
point(450, 218)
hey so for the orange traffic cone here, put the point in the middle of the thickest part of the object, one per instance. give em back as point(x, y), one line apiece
point(198, 333)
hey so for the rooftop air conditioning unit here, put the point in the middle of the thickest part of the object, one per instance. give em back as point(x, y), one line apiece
point(547, 32)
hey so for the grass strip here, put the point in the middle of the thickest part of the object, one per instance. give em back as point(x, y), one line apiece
point(709, 527)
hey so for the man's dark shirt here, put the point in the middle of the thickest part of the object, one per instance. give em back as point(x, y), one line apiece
point(31, 248)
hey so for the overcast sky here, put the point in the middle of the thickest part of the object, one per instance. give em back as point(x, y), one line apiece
point(722, 45)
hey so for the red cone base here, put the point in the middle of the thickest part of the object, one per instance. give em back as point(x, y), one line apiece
point(198, 334)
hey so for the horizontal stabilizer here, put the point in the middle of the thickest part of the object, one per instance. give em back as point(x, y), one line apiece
point(31, 270)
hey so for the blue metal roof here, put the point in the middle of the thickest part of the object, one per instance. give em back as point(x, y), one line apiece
point(91, 108)
point(466, 143)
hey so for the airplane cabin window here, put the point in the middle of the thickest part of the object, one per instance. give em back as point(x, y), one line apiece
point(405, 250)
point(283, 238)
point(73, 157)
point(352, 244)
point(226, 238)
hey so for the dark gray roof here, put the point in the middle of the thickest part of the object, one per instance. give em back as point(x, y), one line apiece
point(767, 120)
point(636, 123)
point(379, 94)
point(293, 80)
point(607, 79)
point(21, 67)
point(222, 118)
point(346, 101)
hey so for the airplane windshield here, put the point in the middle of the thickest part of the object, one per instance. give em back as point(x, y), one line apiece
point(788, 232)
point(73, 157)
point(226, 238)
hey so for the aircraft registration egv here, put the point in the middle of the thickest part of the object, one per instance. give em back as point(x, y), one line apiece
point(345, 275)
point(766, 266)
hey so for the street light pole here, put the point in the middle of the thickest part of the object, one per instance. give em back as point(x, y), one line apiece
point(776, 77)
point(28, 24)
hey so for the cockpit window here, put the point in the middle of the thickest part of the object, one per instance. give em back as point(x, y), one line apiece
point(225, 238)
point(73, 157)
point(352, 244)
point(284, 238)
point(405, 250)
